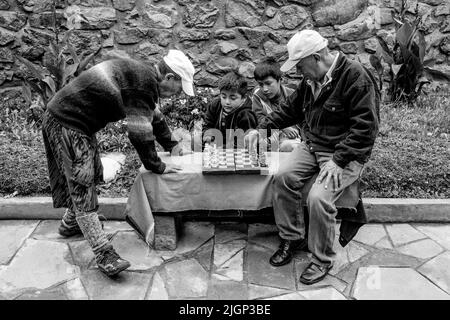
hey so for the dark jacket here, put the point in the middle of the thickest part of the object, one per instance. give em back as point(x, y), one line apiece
point(240, 118)
point(114, 90)
point(344, 118)
point(262, 106)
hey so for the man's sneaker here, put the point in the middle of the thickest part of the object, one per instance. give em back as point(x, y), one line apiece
point(110, 263)
point(67, 231)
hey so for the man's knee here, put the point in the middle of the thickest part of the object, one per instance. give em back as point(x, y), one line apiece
point(285, 179)
point(318, 196)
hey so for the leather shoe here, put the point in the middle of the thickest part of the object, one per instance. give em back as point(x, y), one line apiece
point(314, 273)
point(284, 253)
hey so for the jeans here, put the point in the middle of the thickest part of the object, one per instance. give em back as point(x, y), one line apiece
point(287, 201)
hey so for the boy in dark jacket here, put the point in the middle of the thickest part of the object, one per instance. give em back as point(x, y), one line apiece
point(109, 91)
point(268, 96)
point(229, 112)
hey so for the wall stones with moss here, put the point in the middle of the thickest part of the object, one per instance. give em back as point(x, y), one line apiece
point(216, 35)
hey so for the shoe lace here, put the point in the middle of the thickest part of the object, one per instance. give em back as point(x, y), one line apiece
point(109, 256)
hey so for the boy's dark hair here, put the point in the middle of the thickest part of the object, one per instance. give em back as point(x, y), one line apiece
point(234, 82)
point(165, 69)
point(269, 67)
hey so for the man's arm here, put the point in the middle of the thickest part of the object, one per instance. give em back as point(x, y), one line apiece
point(162, 131)
point(211, 115)
point(289, 113)
point(364, 125)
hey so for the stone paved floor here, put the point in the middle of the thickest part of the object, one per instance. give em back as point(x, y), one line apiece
point(223, 261)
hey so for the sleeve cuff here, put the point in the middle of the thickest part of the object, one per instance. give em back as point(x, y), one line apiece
point(340, 162)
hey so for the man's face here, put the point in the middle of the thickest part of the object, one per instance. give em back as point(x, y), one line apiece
point(230, 99)
point(308, 67)
point(270, 87)
point(170, 86)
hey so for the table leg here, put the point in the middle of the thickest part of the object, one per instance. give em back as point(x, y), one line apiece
point(166, 234)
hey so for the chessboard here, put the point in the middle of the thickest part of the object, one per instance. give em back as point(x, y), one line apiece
point(230, 161)
point(219, 161)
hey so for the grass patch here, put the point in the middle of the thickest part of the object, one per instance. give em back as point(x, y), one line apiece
point(410, 158)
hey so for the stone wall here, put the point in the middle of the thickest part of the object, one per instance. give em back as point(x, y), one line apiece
point(214, 34)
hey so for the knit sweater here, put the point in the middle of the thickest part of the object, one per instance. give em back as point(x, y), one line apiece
point(113, 90)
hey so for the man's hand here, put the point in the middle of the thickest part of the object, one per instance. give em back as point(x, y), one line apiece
point(331, 171)
point(290, 133)
point(179, 151)
point(170, 168)
point(251, 138)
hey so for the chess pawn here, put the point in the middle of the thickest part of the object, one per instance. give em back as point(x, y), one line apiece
point(262, 159)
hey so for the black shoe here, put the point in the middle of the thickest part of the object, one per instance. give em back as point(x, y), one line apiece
point(314, 273)
point(110, 263)
point(284, 254)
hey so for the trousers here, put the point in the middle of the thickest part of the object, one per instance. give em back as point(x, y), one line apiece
point(287, 201)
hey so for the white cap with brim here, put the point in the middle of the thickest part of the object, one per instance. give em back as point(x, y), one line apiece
point(182, 66)
point(301, 45)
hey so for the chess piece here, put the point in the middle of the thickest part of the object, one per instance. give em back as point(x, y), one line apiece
point(262, 159)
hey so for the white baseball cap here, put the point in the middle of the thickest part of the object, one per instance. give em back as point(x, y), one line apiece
point(182, 66)
point(301, 45)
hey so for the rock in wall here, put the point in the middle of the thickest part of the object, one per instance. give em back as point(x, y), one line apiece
point(216, 35)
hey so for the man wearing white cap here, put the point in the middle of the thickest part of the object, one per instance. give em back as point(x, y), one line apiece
point(337, 103)
point(109, 91)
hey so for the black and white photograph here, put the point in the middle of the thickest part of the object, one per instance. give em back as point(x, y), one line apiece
point(222, 155)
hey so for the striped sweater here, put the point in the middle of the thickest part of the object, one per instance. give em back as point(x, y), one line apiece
point(113, 90)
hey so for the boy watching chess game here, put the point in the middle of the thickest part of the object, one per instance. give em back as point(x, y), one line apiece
point(229, 116)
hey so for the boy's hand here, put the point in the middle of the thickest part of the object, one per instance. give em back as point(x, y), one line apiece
point(179, 151)
point(251, 139)
point(170, 168)
point(290, 133)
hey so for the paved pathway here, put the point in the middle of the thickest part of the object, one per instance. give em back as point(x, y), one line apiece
point(223, 261)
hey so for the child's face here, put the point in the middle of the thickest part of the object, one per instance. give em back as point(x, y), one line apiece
point(270, 86)
point(230, 99)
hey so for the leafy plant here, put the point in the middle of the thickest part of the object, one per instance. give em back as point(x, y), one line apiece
point(408, 70)
point(62, 65)
point(184, 113)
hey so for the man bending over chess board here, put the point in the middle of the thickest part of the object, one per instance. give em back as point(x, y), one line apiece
point(337, 103)
point(109, 91)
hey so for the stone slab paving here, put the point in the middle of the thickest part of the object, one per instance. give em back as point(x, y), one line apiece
point(225, 251)
point(438, 271)
point(227, 290)
point(261, 292)
point(261, 272)
point(13, 234)
point(403, 233)
point(48, 230)
point(223, 260)
point(158, 289)
point(38, 264)
point(437, 232)
point(225, 232)
point(132, 248)
point(193, 235)
point(179, 285)
point(373, 283)
point(422, 249)
point(126, 286)
point(370, 234)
